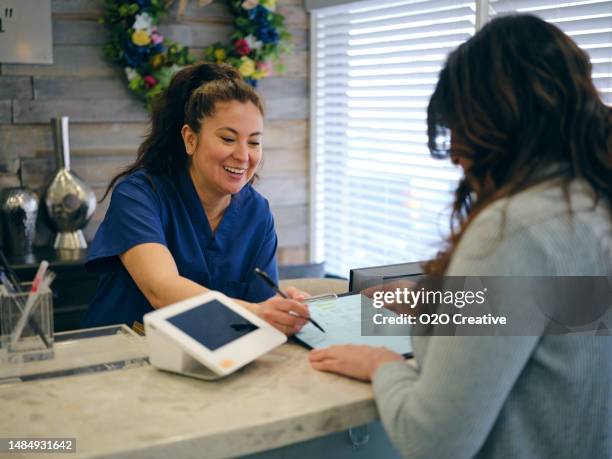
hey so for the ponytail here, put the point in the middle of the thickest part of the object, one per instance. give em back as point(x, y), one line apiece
point(191, 96)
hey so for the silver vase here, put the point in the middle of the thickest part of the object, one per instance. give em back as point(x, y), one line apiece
point(19, 208)
point(69, 200)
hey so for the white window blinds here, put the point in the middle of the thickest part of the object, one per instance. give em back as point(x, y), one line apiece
point(589, 23)
point(377, 195)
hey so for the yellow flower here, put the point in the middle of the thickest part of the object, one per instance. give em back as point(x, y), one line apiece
point(157, 60)
point(141, 38)
point(247, 67)
point(220, 54)
point(270, 4)
point(258, 75)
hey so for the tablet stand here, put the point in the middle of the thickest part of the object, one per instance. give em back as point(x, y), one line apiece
point(166, 354)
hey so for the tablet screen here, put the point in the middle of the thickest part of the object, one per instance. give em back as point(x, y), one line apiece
point(212, 324)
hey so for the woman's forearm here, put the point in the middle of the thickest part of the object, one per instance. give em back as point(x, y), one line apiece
point(171, 290)
point(180, 288)
point(154, 271)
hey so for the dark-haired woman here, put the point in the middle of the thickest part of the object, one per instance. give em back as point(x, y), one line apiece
point(184, 218)
point(535, 142)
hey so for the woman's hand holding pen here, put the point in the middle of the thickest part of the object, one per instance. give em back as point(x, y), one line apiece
point(296, 294)
point(287, 315)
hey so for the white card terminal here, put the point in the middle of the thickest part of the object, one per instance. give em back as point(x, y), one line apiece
point(208, 336)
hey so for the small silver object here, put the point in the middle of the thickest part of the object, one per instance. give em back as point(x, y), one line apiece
point(69, 200)
point(19, 208)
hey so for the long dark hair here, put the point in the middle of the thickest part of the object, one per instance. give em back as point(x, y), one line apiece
point(521, 105)
point(192, 95)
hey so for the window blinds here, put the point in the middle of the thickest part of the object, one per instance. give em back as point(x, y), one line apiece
point(378, 197)
point(589, 23)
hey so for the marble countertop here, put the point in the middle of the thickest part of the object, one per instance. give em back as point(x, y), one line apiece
point(143, 412)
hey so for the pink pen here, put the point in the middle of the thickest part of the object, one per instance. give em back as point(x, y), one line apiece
point(40, 274)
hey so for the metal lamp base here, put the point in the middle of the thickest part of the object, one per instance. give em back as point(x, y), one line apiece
point(70, 240)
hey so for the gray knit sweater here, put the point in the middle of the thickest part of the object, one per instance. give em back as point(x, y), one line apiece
point(512, 397)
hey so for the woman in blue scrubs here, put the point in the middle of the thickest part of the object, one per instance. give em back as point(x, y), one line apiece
point(183, 218)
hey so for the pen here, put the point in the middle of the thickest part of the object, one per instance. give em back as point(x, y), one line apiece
point(10, 273)
point(323, 297)
point(268, 280)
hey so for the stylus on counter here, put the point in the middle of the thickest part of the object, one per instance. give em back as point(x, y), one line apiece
point(323, 297)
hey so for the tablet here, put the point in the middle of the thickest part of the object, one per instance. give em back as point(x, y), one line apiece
point(208, 330)
point(341, 319)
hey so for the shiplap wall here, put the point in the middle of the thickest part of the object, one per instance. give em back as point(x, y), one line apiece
point(107, 122)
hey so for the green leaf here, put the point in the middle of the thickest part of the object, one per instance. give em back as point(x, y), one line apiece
point(242, 22)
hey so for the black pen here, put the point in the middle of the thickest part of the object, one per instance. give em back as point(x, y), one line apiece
point(10, 273)
point(268, 280)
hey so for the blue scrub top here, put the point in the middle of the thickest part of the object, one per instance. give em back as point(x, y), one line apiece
point(147, 208)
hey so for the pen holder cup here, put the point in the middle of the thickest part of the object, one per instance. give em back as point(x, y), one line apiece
point(26, 339)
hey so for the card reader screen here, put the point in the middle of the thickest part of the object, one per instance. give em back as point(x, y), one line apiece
point(212, 324)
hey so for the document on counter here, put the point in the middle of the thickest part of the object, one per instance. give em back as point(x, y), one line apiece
point(341, 320)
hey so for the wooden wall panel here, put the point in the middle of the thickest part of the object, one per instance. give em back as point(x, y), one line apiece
point(108, 122)
point(284, 190)
point(15, 87)
point(75, 32)
point(79, 110)
point(89, 9)
point(286, 134)
point(80, 88)
point(292, 255)
point(6, 111)
point(196, 34)
point(278, 161)
point(27, 140)
point(71, 60)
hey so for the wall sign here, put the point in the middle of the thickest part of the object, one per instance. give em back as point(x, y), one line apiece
point(25, 32)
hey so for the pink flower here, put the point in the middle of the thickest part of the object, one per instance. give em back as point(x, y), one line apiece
point(149, 81)
point(242, 47)
point(156, 38)
point(265, 68)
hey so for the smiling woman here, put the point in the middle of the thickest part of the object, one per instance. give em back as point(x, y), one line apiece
point(184, 218)
point(224, 158)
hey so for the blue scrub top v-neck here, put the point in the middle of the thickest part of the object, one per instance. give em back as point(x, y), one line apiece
point(156, 209)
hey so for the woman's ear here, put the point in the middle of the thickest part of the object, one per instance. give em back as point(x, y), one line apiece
point(190, 139)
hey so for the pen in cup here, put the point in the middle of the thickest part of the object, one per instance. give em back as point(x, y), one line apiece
point(268, 280)
point(32, 302)
point(41, 281)
point(11, 280)
point(12, 277)
point(12, 290)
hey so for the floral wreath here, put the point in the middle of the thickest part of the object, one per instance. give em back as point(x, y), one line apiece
point(150, 60)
